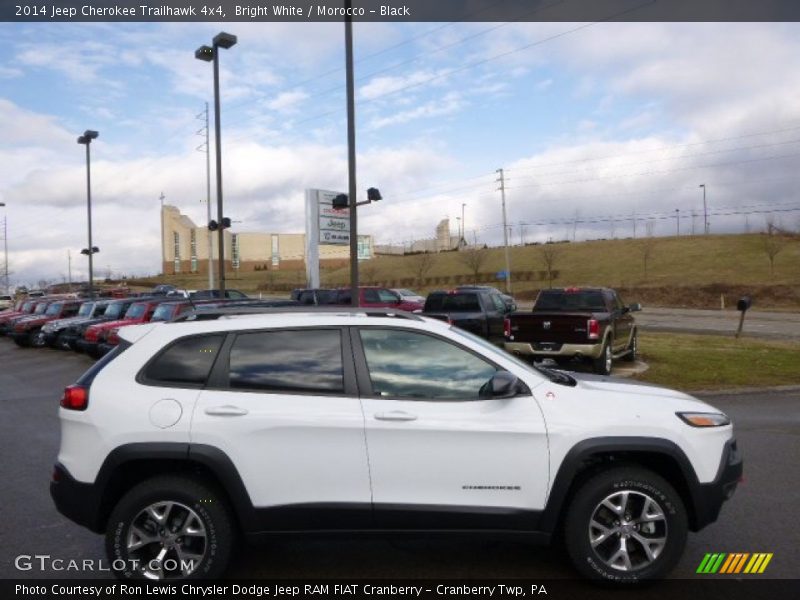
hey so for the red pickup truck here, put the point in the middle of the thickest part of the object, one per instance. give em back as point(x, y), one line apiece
point(587, 324)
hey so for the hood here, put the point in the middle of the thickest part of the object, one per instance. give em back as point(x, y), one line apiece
point(618, 385)
point(112, 324)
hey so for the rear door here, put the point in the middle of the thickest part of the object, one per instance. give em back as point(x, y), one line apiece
point(283, 405)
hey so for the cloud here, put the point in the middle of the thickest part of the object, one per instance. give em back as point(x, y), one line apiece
point(449, 104)
point(287, 102)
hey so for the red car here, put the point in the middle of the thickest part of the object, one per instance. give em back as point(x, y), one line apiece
point(21, 309)
point(27, 331)
point(93, 342)
point(377, 297)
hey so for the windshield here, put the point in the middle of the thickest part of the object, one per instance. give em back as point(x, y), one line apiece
point(40, 308)
point(559, 300)
point(162, 313)
point(136, 311)
point(86, 309)
point(454, 303)
point(53, 309)
point(28, 306)
point(114, 311)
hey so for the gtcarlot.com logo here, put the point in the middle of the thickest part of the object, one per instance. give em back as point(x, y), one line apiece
point(735, 562)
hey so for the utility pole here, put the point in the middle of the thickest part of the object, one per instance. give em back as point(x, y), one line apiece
point(69, 270)
point(678, 220)
point(705, 210)
point(206, 145)
point(163, 243)
point(5, 252)
point(463, 226)
point(502, 182)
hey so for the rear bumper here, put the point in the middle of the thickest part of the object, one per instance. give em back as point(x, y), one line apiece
point(557, 350)
point(103, 349)
point(79, 502)
point(709, 497)
point(90, 348)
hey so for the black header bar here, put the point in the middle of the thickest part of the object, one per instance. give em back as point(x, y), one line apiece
point(223, 11)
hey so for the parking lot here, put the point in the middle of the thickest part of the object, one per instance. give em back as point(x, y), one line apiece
point(761, 517)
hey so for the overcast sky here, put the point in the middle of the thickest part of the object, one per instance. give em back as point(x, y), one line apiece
point(589, 121)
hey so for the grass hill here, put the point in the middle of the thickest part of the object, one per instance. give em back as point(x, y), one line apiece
point(680, 271)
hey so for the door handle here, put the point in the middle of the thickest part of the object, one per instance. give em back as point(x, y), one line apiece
point(395, 415)
point(226, 411)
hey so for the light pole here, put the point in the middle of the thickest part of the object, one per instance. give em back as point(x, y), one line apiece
point(458, 220)
point(678, 220)
point(705, 210)
point(211, 54)
point(5, 251)
point(86, 140)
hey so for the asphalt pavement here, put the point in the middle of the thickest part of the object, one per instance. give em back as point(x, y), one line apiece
point(763, 516)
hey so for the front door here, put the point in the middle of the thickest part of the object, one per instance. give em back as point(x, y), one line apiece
point(440, 456)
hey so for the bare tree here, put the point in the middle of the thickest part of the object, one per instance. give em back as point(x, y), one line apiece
point(368, 270)
point(474, 258)
point(421, 265)
point(550, 254)
point(646, 246)
point(772, 243)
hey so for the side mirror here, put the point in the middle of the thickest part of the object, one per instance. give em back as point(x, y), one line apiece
point(502, 385)
point(635, 307)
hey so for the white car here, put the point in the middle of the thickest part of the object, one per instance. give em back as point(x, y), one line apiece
point(190, 433)
point(409, 295)
point(6, 302)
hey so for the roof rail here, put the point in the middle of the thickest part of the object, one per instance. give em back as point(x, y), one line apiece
point(233, 311)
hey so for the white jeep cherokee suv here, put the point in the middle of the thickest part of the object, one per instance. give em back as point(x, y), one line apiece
point(354, 420)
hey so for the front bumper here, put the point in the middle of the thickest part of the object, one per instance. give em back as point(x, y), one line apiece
point(105, 348)
point(554, 350)
point(709, 497)
point(90, 348)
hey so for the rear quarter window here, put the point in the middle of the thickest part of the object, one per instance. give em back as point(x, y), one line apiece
point(186, 362)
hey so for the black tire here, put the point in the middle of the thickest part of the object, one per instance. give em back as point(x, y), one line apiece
point(633, 348)
point(603, 363)
point(195, 507)
point(594, 551)
point(61, 342)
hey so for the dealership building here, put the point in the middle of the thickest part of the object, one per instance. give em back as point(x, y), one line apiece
point(184, 248)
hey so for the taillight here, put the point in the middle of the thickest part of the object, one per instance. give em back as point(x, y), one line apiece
point(76, 397)
point(113, 337)
point(593, 329)
point(507, 327)
point(449, 321)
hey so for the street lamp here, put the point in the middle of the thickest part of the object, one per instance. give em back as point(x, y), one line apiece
point(678, 220)
point(211, 54)
point(705, 210)
point(86, 140)
point(463, 225)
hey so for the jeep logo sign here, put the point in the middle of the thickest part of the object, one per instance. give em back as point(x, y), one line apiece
point(546, 324)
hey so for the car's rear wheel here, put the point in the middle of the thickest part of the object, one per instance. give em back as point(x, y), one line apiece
point(626, 525)
point(603, 363)
point(170, 528)
point(633, 348)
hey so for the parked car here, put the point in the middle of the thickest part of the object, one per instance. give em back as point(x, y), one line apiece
point(6, 302)
point(409, 295)
point(509, 301)
point(211, 294)
point(586, 324)
point(115, 310)
point(24, 307)
point(377, 297)
point(94, 343)
point(27, 331)
point(316, 297)
point(37, 308)
point(56, 332)
point(476, 310)
point(192, 435)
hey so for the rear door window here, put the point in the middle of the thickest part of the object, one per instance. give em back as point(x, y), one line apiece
point(300, 361)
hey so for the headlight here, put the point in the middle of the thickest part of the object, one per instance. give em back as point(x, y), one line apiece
point(698, 419)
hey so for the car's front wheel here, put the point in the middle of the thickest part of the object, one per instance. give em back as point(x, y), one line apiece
point(170, 528)
point(625, 525)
